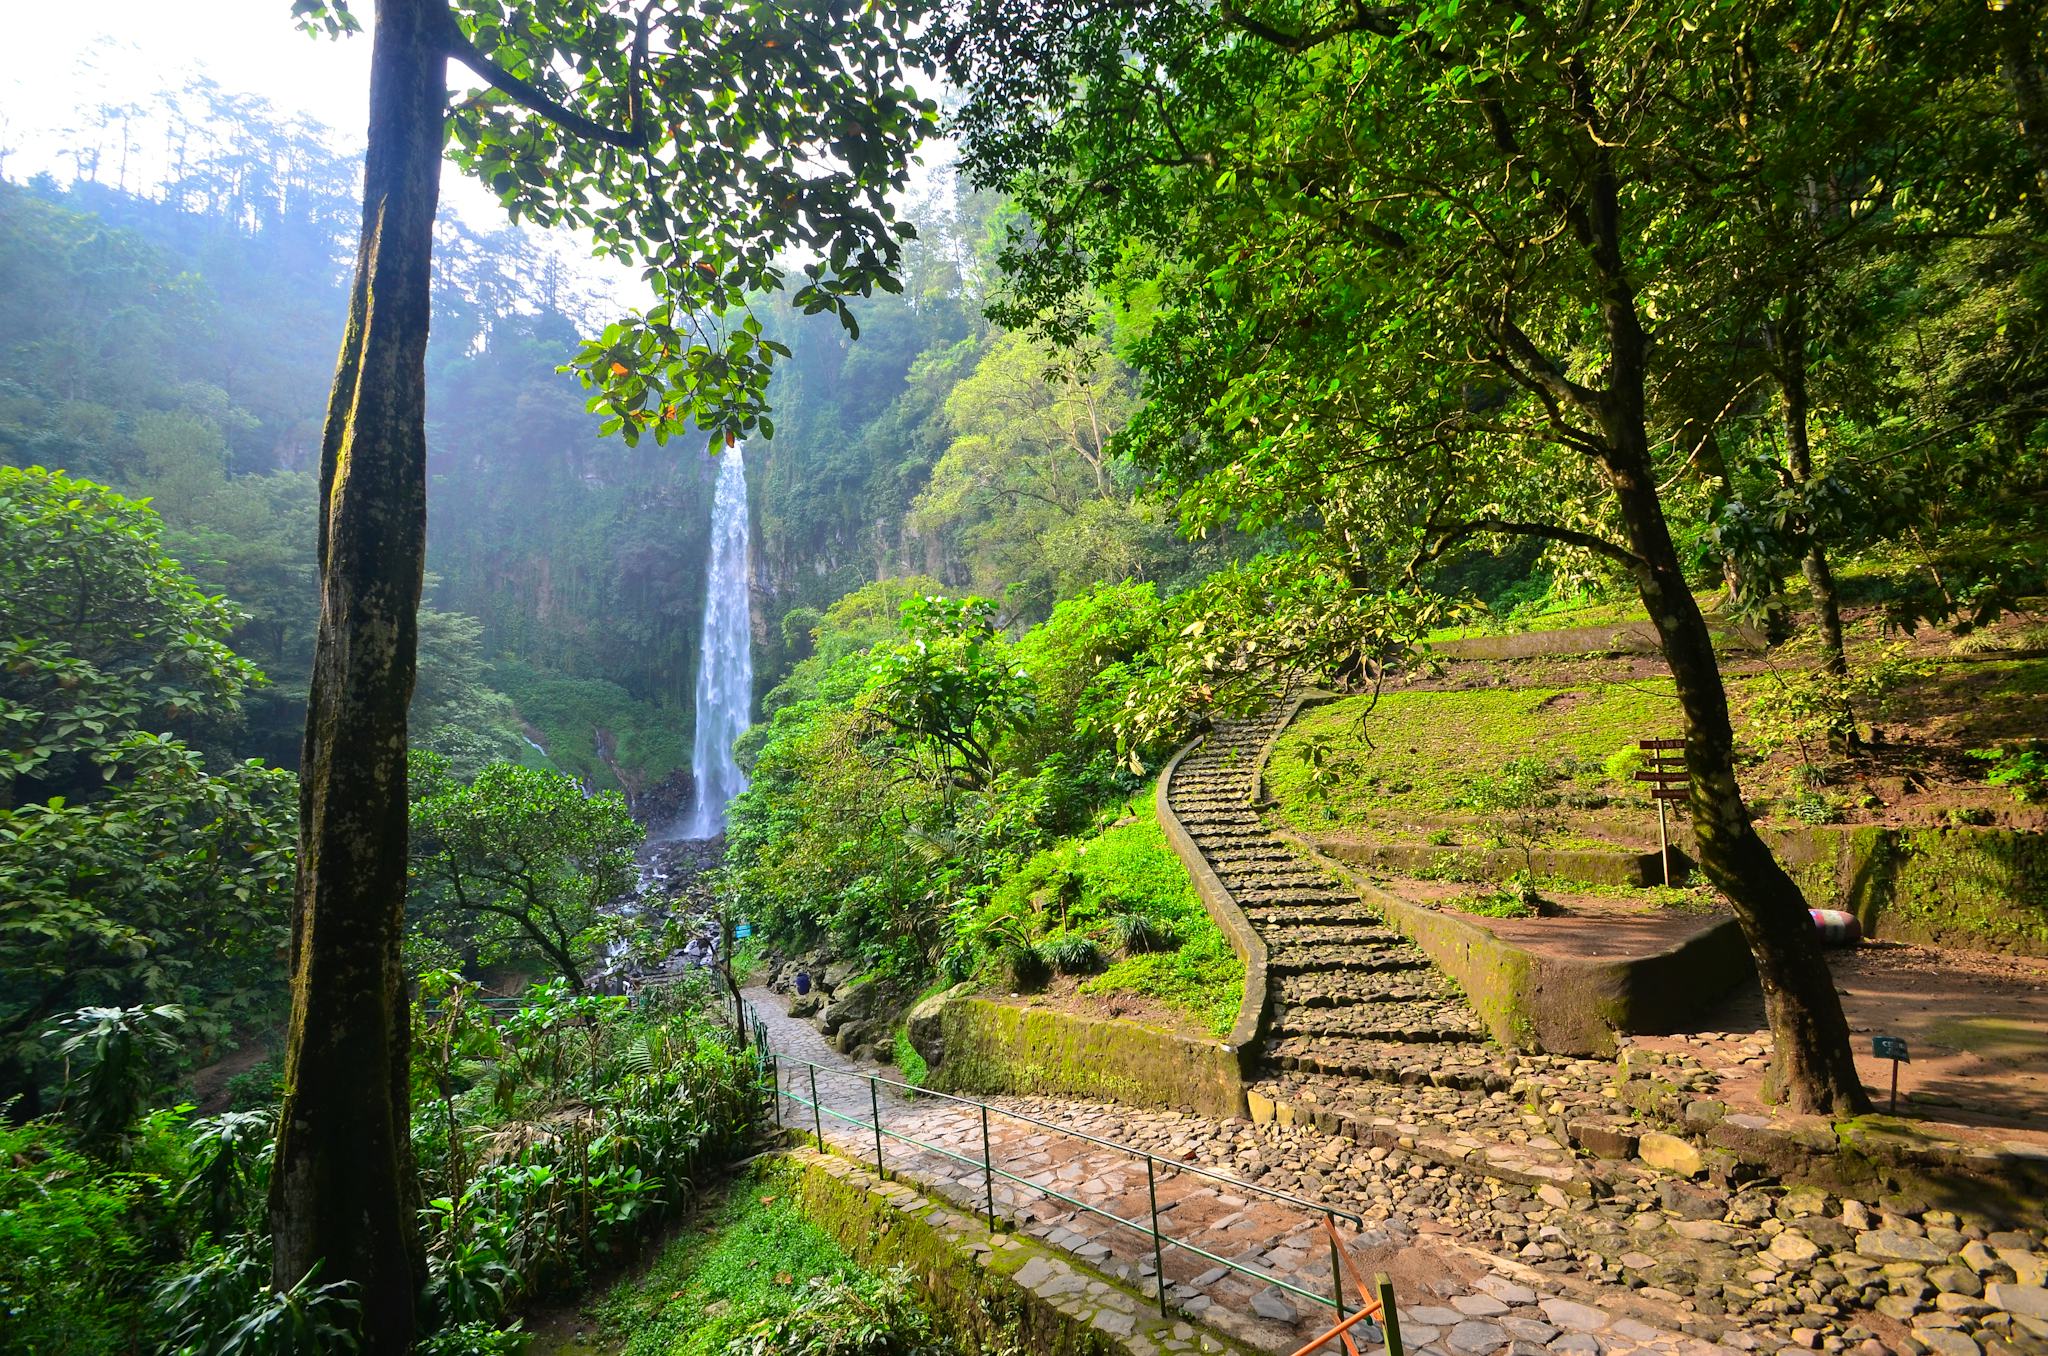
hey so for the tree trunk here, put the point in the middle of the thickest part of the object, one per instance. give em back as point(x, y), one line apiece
point(2016, 23)
point(1788, 343)
point(343, 1194)
point(1813, 1068)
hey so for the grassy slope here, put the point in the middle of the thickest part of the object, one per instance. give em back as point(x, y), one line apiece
point(1129, 868)
point(1400, 774)
point(742, 1265)
point(1426, 747)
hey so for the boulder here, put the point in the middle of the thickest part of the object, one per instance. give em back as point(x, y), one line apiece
point(925, 1026)
point(837, 975)
point(1671, 1154)
point(806, 1005)
point(849, 1005)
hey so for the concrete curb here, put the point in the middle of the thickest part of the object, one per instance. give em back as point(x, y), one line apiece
point(1248, 1033)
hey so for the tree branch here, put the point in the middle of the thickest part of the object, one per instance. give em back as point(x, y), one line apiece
point(1453, 533)
point(1383, 22)
point(531, 97)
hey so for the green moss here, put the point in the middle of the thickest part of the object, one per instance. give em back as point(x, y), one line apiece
point(1007, 1048)
point(915, 1071)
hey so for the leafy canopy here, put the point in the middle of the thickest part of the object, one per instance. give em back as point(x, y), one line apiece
point(704, 143)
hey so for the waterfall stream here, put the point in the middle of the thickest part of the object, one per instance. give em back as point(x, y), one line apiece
point(725, 665)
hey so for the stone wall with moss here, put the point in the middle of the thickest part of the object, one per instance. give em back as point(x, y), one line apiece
point(1567, 1004)
point(990, 1292)
point(990, 1047)
point(1979, 889)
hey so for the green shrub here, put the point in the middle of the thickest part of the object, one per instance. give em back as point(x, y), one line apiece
point(2024, 768)
point(1136, 934)
point(1027, 964)
point(761, 1270)
point(1073, 954)
point(73, 1246)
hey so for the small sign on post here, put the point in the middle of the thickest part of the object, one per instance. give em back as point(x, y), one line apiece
point(742, 931)
point(1669, 781)
point(1892, 1048)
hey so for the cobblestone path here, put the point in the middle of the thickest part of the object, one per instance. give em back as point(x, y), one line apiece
point(1453, 1301)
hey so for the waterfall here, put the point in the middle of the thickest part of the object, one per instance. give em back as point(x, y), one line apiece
point(725, 658)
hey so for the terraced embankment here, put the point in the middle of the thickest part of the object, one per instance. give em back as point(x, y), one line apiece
point(1344, 993)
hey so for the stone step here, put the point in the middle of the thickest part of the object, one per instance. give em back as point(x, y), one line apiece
point(1322, 933)
point(1281, 888)
point(1303, 992)
point(1317, 962)
point(1460, 1066)
point(1273, 919)
point(1401, 1023)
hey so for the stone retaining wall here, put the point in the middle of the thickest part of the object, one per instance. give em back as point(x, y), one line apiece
point(1004, 1292)
point(1595, 866)
point(1249, 1029)
point(1980, 889)
point(1567, 1005)
point(991, 1047)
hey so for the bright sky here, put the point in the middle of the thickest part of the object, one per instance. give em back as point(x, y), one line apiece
point(64, 59)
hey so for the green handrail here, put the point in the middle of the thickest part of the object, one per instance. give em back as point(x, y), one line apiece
point(1159, 1239)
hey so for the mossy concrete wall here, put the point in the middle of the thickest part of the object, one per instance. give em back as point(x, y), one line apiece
point(1249, 1030)
point(992, 1047)
point(1569, 1005)
point(1595, 866)
point(989, 1292)
point(1974, 888)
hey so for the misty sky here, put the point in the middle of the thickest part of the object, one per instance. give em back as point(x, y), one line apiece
point(62, 59)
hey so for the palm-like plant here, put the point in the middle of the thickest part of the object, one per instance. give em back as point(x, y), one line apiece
point(110, 1065)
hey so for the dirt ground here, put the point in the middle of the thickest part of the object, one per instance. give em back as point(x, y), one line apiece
point(1064, 994)
point(1575, 925)
point(1976, 1026)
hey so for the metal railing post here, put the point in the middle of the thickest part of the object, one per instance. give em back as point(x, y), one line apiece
point(775, 1081)
point(875, 1107)
point(1336, 1264)
point(988, 1170)
point(1390, 1319)
point(1158, 1261)
point(817, 1108)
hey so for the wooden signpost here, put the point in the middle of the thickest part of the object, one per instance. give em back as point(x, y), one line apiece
point(1894, 1049)
point(1669, 781)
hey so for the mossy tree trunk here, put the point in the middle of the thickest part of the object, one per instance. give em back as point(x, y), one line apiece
point(343, 1194)
point(1814, 1069)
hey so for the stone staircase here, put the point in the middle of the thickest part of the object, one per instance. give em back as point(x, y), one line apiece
point(1346, 994)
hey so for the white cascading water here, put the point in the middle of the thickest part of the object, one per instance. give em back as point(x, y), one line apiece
point(725, 665)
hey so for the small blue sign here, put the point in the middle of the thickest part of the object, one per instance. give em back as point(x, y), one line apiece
point(1890, 1047)
point(742, 931)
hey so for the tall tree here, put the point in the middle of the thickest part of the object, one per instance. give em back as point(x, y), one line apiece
point(1414, 269)
point(701, 142)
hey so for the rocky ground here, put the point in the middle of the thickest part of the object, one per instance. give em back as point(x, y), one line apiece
point(1607, 1258)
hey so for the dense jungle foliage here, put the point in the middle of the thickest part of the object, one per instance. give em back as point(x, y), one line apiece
point(551, 1136)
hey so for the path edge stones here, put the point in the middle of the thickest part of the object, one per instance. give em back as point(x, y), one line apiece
point(1007, 1289)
